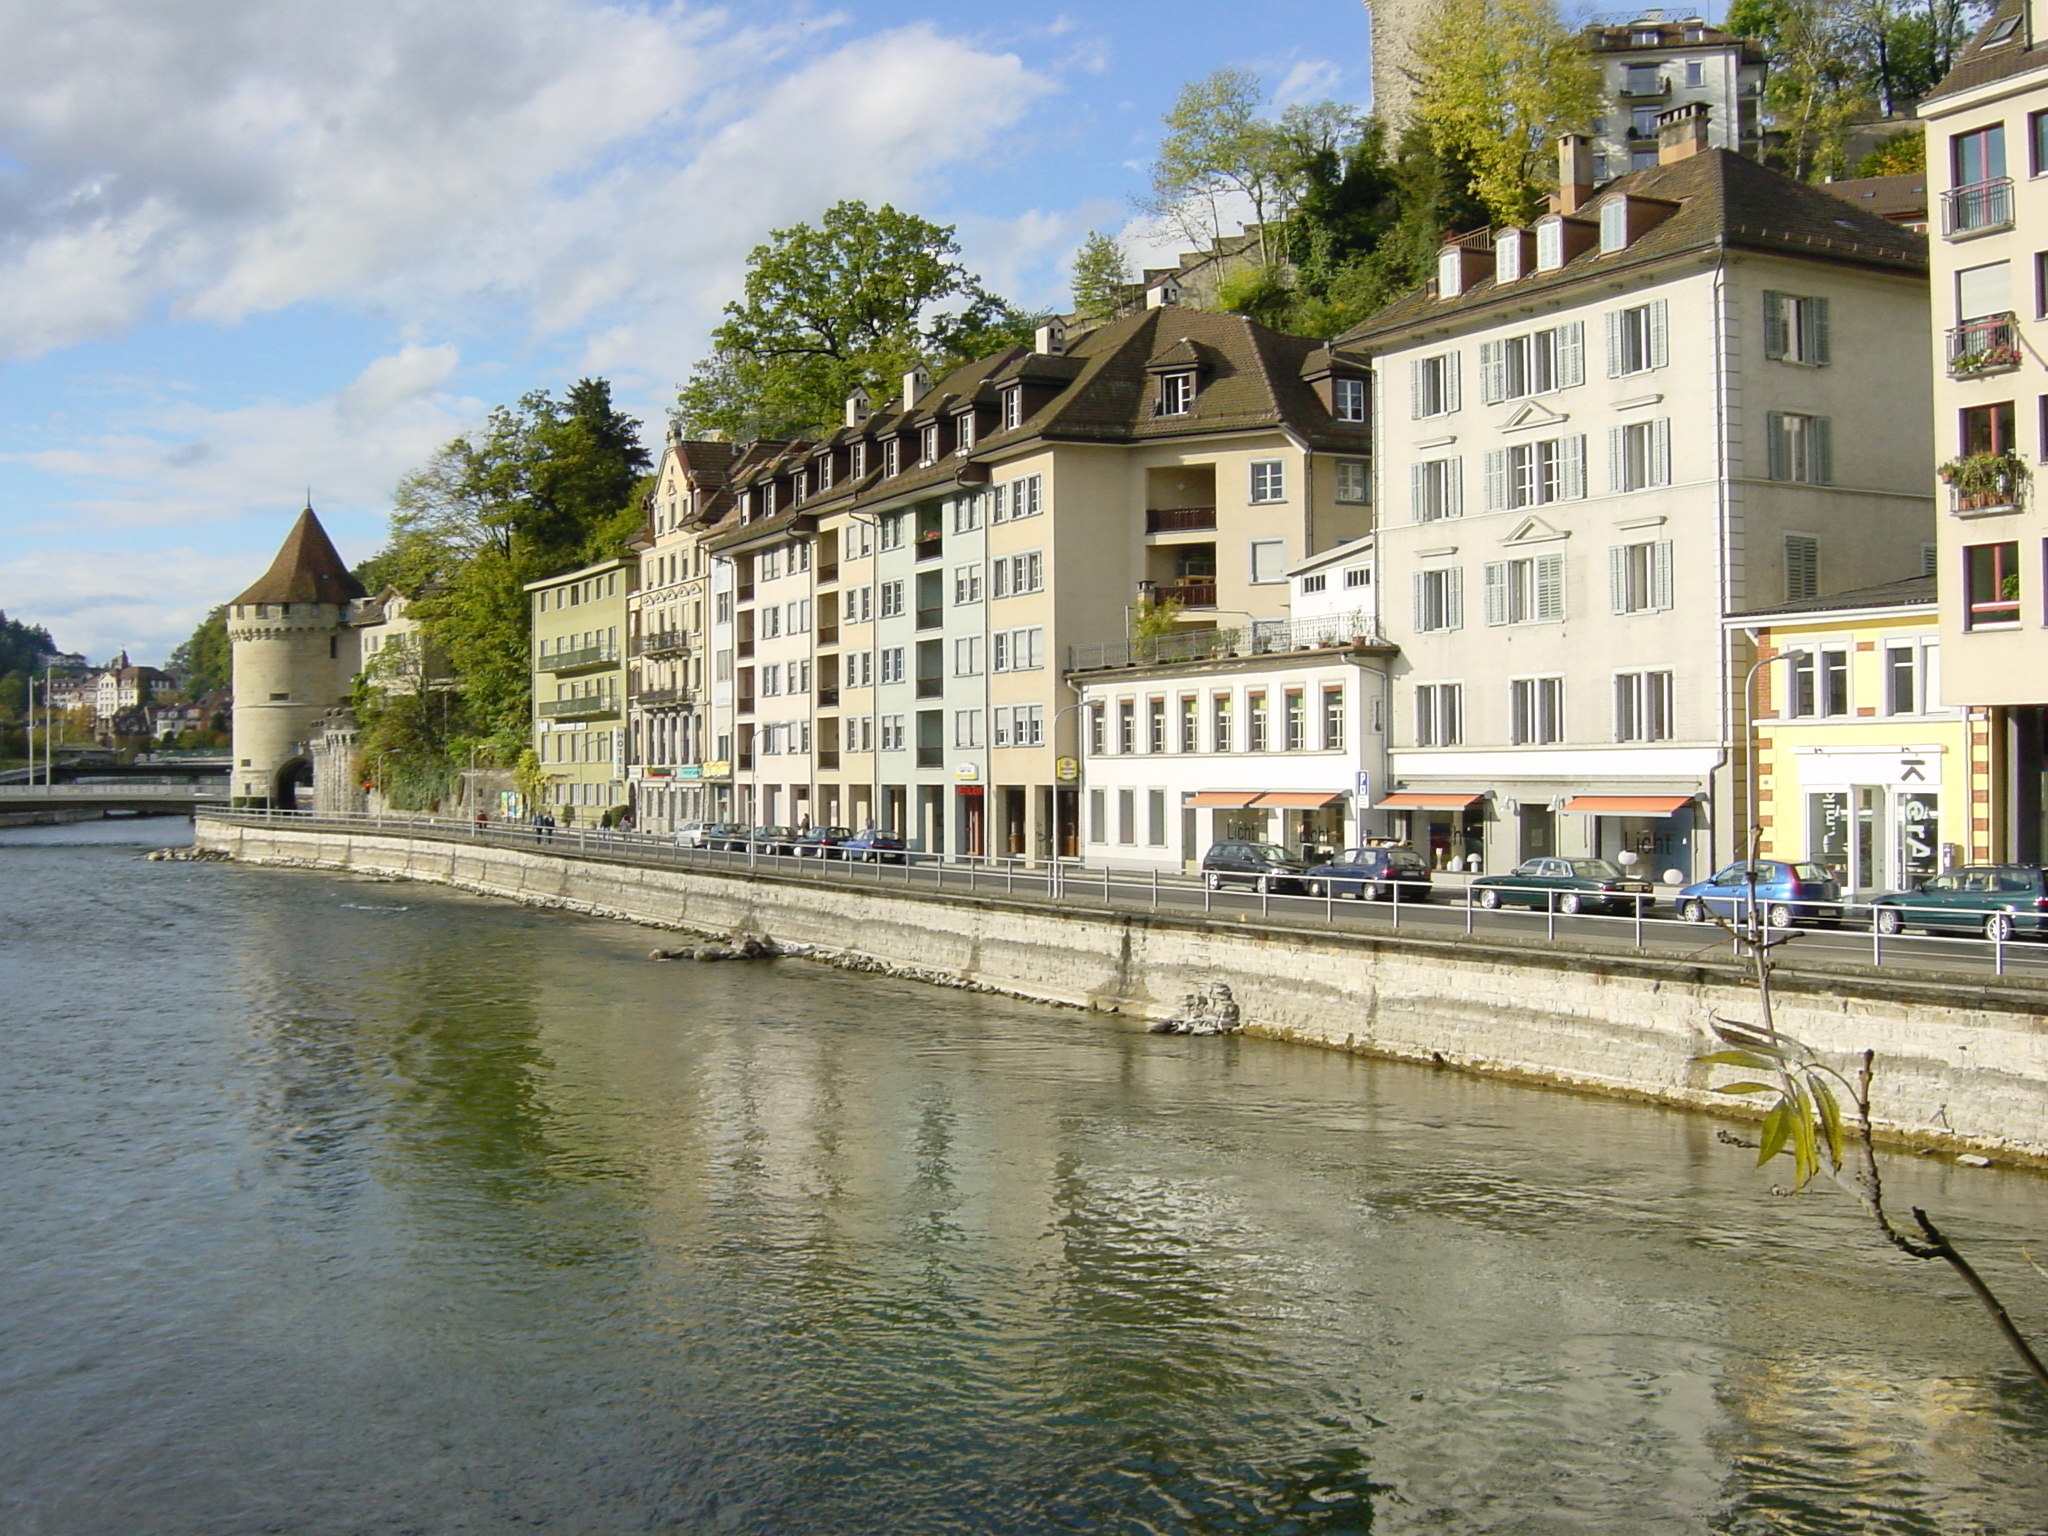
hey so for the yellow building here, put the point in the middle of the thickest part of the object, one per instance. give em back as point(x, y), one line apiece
point(579, 688)
point(1861, 765)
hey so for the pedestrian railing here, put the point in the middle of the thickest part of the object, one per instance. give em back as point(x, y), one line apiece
point(2004, 941)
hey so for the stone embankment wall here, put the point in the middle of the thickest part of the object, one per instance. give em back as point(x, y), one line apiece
point(1962, 1064)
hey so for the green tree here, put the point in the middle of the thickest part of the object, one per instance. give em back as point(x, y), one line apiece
point(1102, 273)
point(1497, 82)
point(850, 304)
point(1899, 155)
point(1218, 150)
point(205, 657)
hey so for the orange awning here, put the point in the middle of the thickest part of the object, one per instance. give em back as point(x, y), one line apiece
point(1427, 800)
point(1628, 805)
point(1224, 799)
point(1299, 799)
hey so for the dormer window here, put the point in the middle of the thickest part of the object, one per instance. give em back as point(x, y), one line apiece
point(1613, 225)
point(1347, 398)
point(1450, 273)
point(859, 458)
point(1549, 244)
point(1507, 256)
point(800, 487)
point(963, 432)
point(1176, 394)
point(825, 472)
point(892, 457)
point(1648, 37)
point(1013, 407)
point(928, 444)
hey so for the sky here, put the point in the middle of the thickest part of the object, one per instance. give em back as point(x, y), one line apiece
point(252, 249)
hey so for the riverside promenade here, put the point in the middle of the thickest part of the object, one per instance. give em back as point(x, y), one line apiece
point(1613, 1006)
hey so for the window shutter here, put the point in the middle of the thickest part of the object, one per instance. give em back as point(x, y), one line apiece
point(1780, 449)
point(1571, 354)
point(1660, 451)
point(1418, 491)
point(1776, 342)
point(1617, 459)
point(1496, 592)
point(1550, 586)
point(1660, 574)
point(1493, 371)
point(1571, 467)
point(1453, 485)
point(1415, 389)
point(1821, 449)
point(1450, 380)
point(1496, 479)
point(1421, 602)
point(1617, 577)
point(1615, 358)
point(1813, 316)
point(1658, 347)
point(1454, 599)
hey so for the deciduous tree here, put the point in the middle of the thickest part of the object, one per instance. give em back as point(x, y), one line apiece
point(1101, 276)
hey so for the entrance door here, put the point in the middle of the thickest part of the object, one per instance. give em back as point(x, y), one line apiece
point(1013, 821)
point(1539, 831)
point(973, 824)
point(1066, 810)
point(1870, 866)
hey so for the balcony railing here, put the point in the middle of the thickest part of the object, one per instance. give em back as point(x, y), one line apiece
point(744, 592)
point(1262, 637)
point(828, 634)
point(931, 687)
point(828, 572)
point(1179, 519)
point(744, 703)
point(1639, 92)
point(1189, 594)
point(931, 757)
point(745, 647)
point(930, 618)
point(576, 661)
point(1990, 344)
point(1985, 482)
point(658, 698)
point(828, 698)
point(929, 546)
point(595, 706)
point(667, 642)
point(1977, 209)
point(828, 757)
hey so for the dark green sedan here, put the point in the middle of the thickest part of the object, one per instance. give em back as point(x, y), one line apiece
point(1999, 901)
point(1570, 885)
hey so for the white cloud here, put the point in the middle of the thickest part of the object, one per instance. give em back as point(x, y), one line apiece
point(98, 604)
point(1308, 80)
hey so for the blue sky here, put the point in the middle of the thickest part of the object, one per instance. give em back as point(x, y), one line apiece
point(248, 248)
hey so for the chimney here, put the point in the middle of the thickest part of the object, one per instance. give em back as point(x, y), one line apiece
point(1681, 132)
point(1051, 337)
point(916, 384)
point(1574, 172)
point(857, 408)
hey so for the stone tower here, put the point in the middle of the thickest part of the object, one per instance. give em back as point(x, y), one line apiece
point(296, 657)
point(1395, 26)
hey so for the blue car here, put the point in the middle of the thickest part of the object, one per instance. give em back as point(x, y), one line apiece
point(873, 847)
point(1789, 894)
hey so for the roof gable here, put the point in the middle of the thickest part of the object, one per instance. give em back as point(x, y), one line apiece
point(308, 569)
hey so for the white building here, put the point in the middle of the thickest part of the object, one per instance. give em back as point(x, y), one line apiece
point(1650, 65)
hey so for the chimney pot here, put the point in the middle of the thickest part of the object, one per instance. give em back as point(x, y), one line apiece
point(1574, 172)
point(1681, 132)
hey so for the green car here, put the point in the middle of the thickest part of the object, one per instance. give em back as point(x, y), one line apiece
point(1571, 885)
point(1996, 900)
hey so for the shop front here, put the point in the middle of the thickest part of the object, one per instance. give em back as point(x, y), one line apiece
point(1651, 834)
point(1879, 820)
point(1447, 827)
point(1301, 821)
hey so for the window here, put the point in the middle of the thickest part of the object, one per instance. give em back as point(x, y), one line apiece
point(1439, 600)
point(1911, 673)
point(1639, 576)
point(799, 617)
point(1333, 719)
point(1433, 385)
point(1436, 489)
point(1642, 706)
point(771, 621)
point(1176, 394)
point(1190, 723)
point(1534, 364)
point(1312, 584)
point(889, 530)
point(1978, 156)
point(966, 727)
point(1802, 567)
point(1222, 727)
point(1796, 329)
point(1269, 480)
point(1529, 591)
point(2037, 143)
point(1991, 585)
point(967, 656)
point(891, 732)
point(892, 664)
point(858, 460)
point(1536, 711)
point(1294, 720)
point(1268, 561)
point(1636, 339)
point(1155, 817)
point(1098, 816)
point(1639, 455)
point(859, 603)
point(1358, 576)
point(1987, 428)
point(1019, 725)
point(1348, 396)
point(967, 513)
point(1013, 407)
point(1017, 650)
point(1536, 474)
point(1354, 482)
point(1127, 816)
point(1439, 714)
point(1017, 498)
point(1127, 726)
point(1642, 122)
point(963, 431)
point(892, 599)
point(966, 584)
point(1015, 575)
point(1695, 74)
point(799, 677)
point(1801, 448)
point(859, 540)
point(928, 445)
point(1155, 725)
point(1614, 225)
point(1818, 685)
point(1255, 720)
point(771, 680)
point(768, 565)
point(1098, 732)
point(892, 465)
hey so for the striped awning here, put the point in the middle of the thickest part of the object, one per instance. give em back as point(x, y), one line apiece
point(1224, 799)
point(1427, 800)
point(1265, 799)
point(1628, 805)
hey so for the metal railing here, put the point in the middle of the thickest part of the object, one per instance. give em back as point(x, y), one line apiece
point(667, 642)
point(570, 661)
point(1988, 344)
point(656, 698)
point(1179, 519)
point(592, 706)
point(1978, 208)
point(1189, 594)
point(1265, 637)
point(1844, 935)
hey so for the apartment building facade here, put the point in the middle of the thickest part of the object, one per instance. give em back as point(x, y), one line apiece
point(579, 688)
point(1987, 127)
point(1598, 437)
point(1650, 65)
point(968, 535)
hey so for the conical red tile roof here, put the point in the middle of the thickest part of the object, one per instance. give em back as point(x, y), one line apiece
point(308, 569)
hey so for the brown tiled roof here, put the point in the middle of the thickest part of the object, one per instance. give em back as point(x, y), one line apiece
point(307, 570)
point(1723, 201)
point(1913, 592)
point(1889, 197)
point(1982, 61)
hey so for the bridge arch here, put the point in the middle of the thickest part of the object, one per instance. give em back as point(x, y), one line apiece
point(291, 786)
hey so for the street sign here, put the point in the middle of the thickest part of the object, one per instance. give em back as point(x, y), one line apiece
point(1363, 788)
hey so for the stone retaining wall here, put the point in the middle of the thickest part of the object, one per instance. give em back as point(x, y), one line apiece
point(1961, 1065)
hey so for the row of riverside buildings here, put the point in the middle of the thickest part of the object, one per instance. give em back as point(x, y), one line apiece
point(1627, 530)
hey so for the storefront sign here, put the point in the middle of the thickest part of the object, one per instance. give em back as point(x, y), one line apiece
point(1067, 769)
point(690, 771)
point(966, 773)
point(718, 770)
point(1920, 833)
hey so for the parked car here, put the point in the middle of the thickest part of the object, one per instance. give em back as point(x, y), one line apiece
point(1372, 874)
point(873, 847)
point(821, 842)
point(2000, 901)
point(1788, 892)
point(709, 834)
point(1570, 885)
point(772, 839)
point(1265, 866)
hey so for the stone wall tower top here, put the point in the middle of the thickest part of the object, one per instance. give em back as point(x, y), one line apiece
point(1396, 24)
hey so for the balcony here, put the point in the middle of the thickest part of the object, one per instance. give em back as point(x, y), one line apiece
point(828, 758)
point(1985, 482)
point(1980, 208)
point(828, 572)
point(745, 647)
point(1643, 91)
point(931, 618)
point(1990, 344)
point(595, 706)
point(744, 703)
point(559, 662)
point(669, 642)
point(1189, 594)
point(660, 698)
point(744, 592)
point(930, 546)
point(931, 757)
point(828, 634)
point(931, 687)
point(1179, 519)
point(828, 698)
point(1355, 632)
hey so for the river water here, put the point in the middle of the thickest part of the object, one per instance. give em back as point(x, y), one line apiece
point(339, 1207)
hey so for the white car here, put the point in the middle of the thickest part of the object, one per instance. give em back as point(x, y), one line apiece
point(709, 834)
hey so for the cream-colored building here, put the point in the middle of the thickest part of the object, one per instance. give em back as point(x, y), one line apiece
point(1987, 155)
point(982, 532)
point(1693, 392)
point(579, 688)
point(1656, 61)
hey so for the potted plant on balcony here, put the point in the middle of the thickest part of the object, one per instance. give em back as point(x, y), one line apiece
point(1987, 358)
point(1983, 480)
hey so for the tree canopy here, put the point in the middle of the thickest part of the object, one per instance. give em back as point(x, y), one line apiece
point(205, 657)
point(1101, 274)
point(852, 303)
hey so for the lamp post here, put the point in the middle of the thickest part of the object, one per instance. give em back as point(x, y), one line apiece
point(1756, 827)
